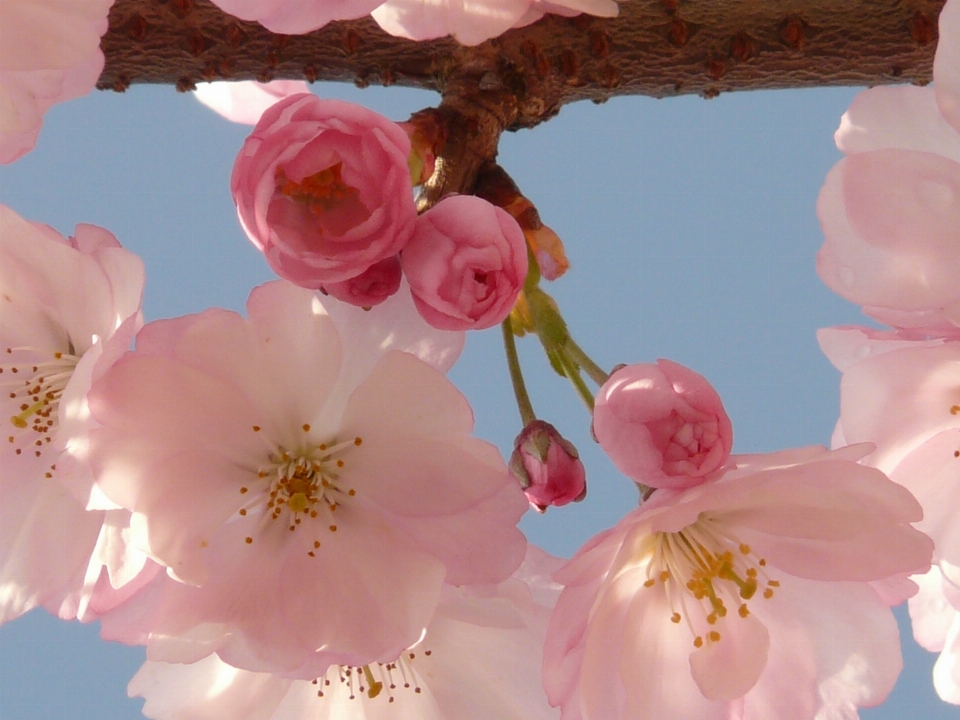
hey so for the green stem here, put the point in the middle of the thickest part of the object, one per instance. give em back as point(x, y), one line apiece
point(573, 373)
point(595, 372)
point(527, 415)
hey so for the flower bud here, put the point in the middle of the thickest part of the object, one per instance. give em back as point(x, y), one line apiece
point(369, 288)
point(548, 466)
point(662, 425)
point(466, 264)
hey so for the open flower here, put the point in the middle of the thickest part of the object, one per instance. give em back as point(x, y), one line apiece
point(902, 393)
point(49, 53)
point(309, 485)
point(747, 596)
point(295, 17)
point(448, 674)
point(323, 189)
point(68, 309)
point(890, 210)
point(245, 101)
point(472, 23)
point(662, 425)
point(466, 263)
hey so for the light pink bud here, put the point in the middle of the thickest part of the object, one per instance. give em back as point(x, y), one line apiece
point(466, 263)
point(369, 288)
point(662, 425)
point(548, 466)
point(323, 189)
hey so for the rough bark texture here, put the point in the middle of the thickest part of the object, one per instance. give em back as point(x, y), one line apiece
point(655, 47)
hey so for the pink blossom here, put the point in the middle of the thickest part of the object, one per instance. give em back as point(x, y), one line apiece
point(472, 23)
point(548, 466)
point(49, 53)
point(745, 597)
point(903, 394)
point(245, 101)
point(448, 674)
point(466, 263)
point(292, 512)
point(662, 425)
point(890, 210)
point(69, 310)
point(323, 189)
point(296, 17)
point(371, 287)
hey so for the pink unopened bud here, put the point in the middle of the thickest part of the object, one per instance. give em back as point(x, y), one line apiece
point(662, 425)
point(466, 264)
point(548, 466)
point(369, 288)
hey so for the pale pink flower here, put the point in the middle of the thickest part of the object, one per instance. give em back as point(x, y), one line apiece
point(49, 53)
point(890, 210)
point(466, 263)
point(748, 596)
point(68, 309)
point(371, 287)
point(548, 466)
point(935, 613)
point(902, 393)
point(451, 673)
point(296, 17)
point(473, 22)
point(946, 64)
point(245, 101)
point(662, 425)
point(309, 485)
point(323, 189)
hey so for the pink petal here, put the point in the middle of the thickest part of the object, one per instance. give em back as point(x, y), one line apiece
point(245, 101)
point(901, 118)
point(729, 668)
point(946, 64)
point(469, 22)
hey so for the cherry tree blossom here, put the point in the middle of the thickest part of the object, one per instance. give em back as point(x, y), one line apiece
point(289, 507)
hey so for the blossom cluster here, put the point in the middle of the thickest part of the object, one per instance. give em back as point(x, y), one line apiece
point(289, 508)
point(890, 212)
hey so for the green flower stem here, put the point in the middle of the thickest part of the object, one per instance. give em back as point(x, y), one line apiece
point(595, 372)
point(527, 415)
point(573, 373)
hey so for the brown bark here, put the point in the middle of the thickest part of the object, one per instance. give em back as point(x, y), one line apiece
point(655, 47)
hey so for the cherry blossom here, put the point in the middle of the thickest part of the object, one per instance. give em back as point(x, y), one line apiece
point(466, 263)
point(295, 17)
point(548, 466)
point(307, 484)
point(245, 102)
point(902, 392)
point(49, 53)
point(890, 210)
point(448, 674)
point(748, 596)
point(323, 189)
point(371, 287)
point(472, 23)
point(662, 425)
point(69, 309)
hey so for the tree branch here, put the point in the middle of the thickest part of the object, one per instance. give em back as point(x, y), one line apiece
point(658, 48)
point(655, 47)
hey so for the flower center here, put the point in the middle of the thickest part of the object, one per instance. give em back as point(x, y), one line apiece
point(373, 680)
point(35, 387)
point(706, 573)
point(321, 192)
point(302, 484)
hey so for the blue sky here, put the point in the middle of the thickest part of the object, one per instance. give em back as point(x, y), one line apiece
point(691, 231)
